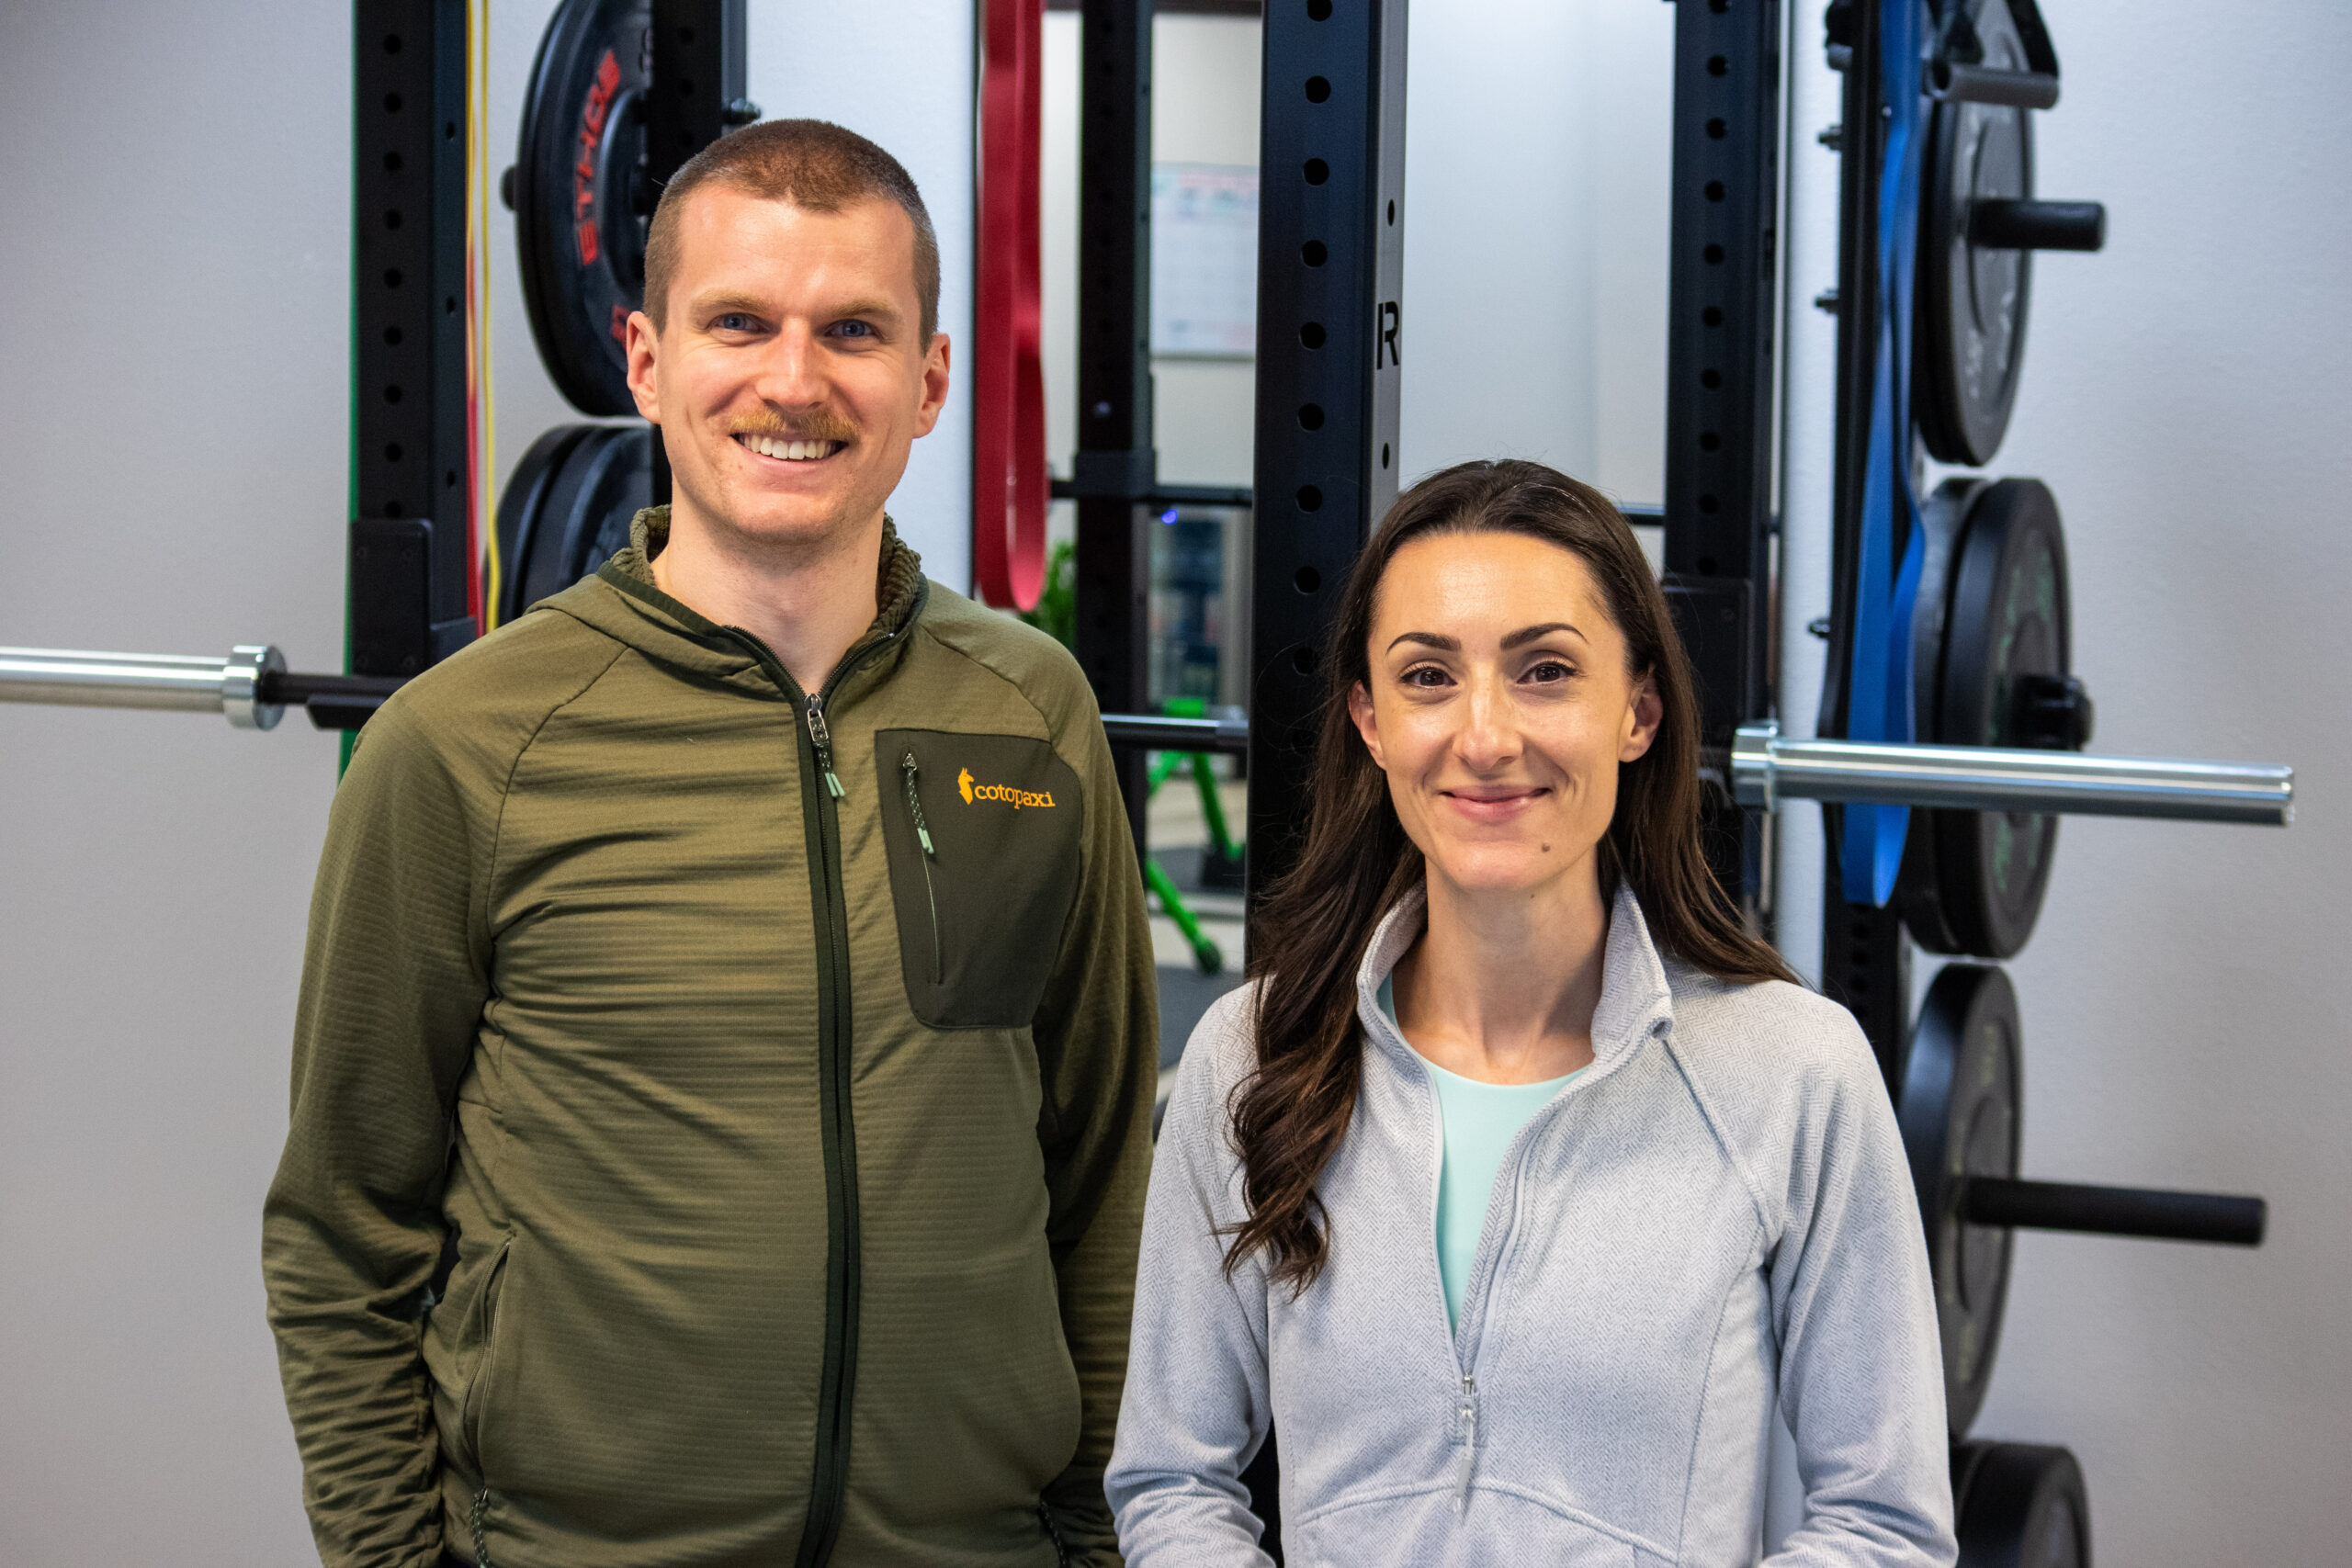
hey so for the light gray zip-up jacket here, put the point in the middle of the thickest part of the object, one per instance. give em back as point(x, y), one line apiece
point(1715, 1216)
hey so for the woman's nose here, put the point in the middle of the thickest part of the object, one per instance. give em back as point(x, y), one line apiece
point(1489, 738)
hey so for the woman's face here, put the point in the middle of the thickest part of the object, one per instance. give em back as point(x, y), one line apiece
point(1500, 706)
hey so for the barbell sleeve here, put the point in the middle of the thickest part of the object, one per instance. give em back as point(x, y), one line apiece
point(1957, 82)
point(2114, 1211)
point(2017, 225)
point(1766, 769)
point(173, 683)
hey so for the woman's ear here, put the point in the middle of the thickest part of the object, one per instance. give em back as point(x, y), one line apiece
point(1642, 714)
point(1360, 710)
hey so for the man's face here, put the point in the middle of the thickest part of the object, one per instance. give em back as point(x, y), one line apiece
point(788, 381)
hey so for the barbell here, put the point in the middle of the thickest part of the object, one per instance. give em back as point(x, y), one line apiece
point(252, 684)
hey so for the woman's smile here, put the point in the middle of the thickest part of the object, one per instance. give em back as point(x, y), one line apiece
point(1493, 803)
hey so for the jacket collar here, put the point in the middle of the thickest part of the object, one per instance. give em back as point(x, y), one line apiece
point(622, 600)
point(1636, 1001)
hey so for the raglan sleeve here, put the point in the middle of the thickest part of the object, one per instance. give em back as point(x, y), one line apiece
point(1860, 1360)
point(1097, 1031)
point(394, 977)
point(1199, 1399)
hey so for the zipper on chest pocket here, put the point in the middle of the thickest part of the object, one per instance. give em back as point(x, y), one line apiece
point(922, 836)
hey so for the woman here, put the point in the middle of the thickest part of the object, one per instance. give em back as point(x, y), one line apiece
point(1521, 1185)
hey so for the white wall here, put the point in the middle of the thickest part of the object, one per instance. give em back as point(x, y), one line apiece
point(173, 429)
point(2184, 398)
point(1536, 154)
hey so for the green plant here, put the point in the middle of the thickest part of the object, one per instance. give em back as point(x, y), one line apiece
point(1056, 611)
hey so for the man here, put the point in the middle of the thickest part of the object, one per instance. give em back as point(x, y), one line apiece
point(723, 1075)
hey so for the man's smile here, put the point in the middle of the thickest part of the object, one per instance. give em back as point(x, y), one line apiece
point(788, 451)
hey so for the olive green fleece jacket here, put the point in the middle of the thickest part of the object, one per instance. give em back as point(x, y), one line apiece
point(720, 1115)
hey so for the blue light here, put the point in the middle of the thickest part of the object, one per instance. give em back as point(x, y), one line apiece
point(1168, 515)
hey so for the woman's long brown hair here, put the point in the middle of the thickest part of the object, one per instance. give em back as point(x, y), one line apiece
point(1316, 923)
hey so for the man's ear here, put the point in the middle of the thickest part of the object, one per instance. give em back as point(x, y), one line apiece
point(1360, 710)
point(640, 344)
point(935, 361)
point(1642, 716)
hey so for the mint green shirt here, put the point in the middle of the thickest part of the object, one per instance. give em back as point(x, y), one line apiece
point(1477, 1120)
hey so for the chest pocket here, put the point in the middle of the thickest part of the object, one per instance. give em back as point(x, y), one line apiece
point(983, 836)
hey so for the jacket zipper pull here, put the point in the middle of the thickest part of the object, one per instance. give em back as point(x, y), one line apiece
point(914, 804)
point(1466, 1434)
point(824, 741)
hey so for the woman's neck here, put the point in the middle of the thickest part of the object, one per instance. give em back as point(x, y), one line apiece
point(1502, 986)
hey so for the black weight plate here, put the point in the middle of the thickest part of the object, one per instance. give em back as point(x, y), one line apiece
point(1958, 1112)
point(1918, 891)
point(2019, 1505)
point(1969, 331)
point(579, 195)
point(1973, 881)
point(562, 521)
point(520, 506)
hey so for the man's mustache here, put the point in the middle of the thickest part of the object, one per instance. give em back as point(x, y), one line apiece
point(817, 425)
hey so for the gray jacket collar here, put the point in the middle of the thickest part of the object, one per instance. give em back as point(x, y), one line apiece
point(1636, 1001)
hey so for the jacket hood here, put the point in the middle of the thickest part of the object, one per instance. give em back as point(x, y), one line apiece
point(1635, 1001)
point(622, 601)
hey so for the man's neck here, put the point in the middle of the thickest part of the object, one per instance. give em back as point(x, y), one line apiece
point(807, 605)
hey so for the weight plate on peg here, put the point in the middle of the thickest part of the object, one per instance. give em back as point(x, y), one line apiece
point(568, 508)
point(2019, 1505)
point(1958, 1111)
point(580, 199)
point(1968, 332)
point(1992, 652)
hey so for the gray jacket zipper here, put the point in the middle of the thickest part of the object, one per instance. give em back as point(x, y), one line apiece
point(1466, 1436)
point(922, 837)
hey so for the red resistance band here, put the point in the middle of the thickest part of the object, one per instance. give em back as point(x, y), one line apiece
point(1008, 481)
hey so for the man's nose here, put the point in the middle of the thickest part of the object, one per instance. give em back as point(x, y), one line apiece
point(790, 371)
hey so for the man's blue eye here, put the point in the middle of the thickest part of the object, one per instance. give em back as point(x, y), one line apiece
point(733, 322)
point(855, 329)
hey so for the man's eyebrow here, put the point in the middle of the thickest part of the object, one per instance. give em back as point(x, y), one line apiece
point(728, 304)
point(1438, 641)
point(881, 309)
point(1529, 634)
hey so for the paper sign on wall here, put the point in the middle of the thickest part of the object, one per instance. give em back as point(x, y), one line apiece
point(1204, 260)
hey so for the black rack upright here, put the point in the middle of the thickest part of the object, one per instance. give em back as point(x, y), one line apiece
point(1116, 468)
point(409, 580)
point(1865, 954)
point(1331, 286)
point(1723, 310)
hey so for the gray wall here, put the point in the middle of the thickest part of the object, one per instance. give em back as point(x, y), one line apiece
point(2184, 398)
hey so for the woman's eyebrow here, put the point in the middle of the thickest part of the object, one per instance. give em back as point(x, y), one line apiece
point(1529, 634)
point(1438, 641)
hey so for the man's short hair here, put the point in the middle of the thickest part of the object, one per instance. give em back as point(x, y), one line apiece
point(812, 164)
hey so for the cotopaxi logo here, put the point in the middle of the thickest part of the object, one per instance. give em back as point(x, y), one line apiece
point(1016, 799)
